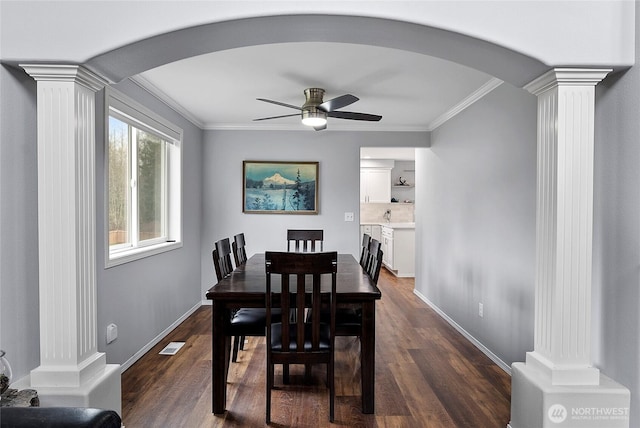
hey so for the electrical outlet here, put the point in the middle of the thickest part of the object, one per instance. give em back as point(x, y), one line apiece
point(348, 216)
point(480, 310)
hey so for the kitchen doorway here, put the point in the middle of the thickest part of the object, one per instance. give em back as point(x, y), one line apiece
point(387, 204)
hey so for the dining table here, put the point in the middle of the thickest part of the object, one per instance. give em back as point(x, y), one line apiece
point(245, 287)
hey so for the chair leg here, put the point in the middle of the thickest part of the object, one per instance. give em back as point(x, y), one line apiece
point(242, 338)
point(236, 344)
point(307, 373)
point(270, 375)
point(285, 374)
point(332, 393)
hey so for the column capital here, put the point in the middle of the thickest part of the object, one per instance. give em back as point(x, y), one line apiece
point(65, 73)
point(567, 77)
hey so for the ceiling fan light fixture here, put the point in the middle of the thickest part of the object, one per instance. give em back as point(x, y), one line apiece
point(315, 110)
point(314, 118)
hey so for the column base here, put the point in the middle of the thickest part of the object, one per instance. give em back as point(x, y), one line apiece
point(536, 403)
point(102, 391)
point(570, 374)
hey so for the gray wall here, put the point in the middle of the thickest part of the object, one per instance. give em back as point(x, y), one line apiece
point(19, 319)
point(339, 156)
point(143, 297)
point(146, 296)
point(475, 220)
point(616, 253)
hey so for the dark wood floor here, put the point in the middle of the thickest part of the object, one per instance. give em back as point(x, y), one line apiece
point(427, 375)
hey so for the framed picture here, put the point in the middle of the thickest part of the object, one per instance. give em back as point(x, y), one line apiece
point(280, 187)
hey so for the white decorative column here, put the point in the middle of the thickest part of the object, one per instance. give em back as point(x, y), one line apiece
point(72, 372)
point(558, 386)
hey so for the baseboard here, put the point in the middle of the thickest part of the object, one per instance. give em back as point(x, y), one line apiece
point(504, 366)
point(135, 357)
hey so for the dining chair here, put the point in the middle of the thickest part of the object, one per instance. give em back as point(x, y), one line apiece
point(372, 254)
point(294, 341)
point(364, 253)
point(238, 249)
point(375, 260)
point(304, 240)
point(349, 320)
point(244, 321)
point(222, 258)
point(240, 257)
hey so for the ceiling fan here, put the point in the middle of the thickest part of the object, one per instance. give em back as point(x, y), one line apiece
point(315, 111)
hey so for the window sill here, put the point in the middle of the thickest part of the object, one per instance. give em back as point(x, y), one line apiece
point(127, 256)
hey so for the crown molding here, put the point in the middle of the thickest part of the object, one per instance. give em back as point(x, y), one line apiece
point(166, 99)
point(299, 127)
point(483, 90)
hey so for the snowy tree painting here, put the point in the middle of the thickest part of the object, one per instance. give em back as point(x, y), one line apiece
point(280, 187)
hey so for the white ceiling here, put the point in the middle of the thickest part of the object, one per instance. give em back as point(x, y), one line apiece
point(219, 90)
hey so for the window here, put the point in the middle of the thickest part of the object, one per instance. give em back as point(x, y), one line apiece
point(143, 181)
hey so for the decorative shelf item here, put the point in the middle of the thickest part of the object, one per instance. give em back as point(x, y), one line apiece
point(402, 182)
point(20, 398)
point(5, 372)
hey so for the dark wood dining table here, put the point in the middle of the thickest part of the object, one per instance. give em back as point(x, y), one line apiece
point(245, 287)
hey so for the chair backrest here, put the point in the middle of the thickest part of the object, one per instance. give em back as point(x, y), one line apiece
point(375, 264)
point(239, 251)
point(304, 240)
point(372, 255)
point(366, 239)
point(294, 270)
point(222, 258)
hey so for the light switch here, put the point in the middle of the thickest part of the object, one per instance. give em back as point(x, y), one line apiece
point(348, 216)
point(112, 333)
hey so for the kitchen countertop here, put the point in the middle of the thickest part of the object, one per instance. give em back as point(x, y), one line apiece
point(394, 225)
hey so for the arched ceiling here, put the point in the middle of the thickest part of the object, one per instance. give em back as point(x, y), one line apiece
point(410, 74)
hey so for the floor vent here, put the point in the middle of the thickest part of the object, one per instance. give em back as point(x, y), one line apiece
point(172, 348)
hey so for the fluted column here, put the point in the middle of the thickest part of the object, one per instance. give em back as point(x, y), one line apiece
point(69, 356)
point(566, 100)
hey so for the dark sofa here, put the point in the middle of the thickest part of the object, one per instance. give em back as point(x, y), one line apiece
point(58, 417)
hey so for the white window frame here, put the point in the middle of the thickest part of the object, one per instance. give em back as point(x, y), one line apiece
point(122, 107)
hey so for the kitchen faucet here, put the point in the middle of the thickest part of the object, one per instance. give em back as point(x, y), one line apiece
point(387, 216)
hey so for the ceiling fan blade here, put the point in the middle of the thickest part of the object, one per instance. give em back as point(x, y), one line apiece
point(320, 128)
point(279, 103)
point(277, 117)
point(338, 102)
point(354, 116)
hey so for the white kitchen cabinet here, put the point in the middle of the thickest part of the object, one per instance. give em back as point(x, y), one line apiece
point(376, 232)
point(365, 228)
point(387, 246)
point(372, 230)
point(398, 246)
point(375, 185)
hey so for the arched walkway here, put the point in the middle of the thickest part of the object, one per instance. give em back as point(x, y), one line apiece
point(506, 64)
point(129, 60)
